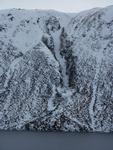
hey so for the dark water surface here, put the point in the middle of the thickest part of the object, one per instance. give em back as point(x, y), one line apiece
point(55, 141)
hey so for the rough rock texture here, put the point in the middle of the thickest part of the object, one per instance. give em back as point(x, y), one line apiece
point(56, 70)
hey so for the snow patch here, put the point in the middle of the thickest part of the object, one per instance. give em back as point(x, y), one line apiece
point(108, 17)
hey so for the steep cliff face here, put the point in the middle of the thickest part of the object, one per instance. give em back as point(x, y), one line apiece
point(56, 70)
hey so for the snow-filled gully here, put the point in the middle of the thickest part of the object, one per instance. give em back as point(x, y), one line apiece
point(61, 60)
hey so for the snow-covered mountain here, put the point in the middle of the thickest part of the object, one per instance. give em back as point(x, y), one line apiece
point(56, 70)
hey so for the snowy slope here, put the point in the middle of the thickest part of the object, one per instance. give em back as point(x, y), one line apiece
point(56, 70)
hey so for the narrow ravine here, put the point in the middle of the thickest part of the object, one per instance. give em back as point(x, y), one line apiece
point(61, 60)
